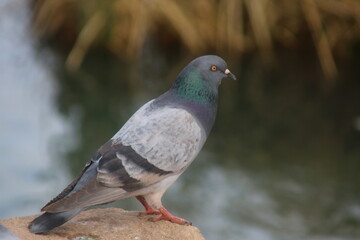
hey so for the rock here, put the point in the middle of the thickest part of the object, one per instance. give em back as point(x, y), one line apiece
point(101, 224)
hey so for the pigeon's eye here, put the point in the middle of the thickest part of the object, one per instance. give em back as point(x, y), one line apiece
point(213, 68)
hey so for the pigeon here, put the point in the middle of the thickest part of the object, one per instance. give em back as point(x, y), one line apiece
point(147, 155)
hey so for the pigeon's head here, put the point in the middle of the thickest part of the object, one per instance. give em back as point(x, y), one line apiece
point(196, 88)
point(201, 78)
point(211, 68)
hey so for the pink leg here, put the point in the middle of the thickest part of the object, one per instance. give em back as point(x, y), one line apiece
point(148, 209)
point(165, 215)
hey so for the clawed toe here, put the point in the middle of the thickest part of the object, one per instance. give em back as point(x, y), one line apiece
point(173, 219)
point(165, 215)
point(146, 213)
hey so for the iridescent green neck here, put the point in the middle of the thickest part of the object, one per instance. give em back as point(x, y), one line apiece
point(191, 87)
point(194, 94)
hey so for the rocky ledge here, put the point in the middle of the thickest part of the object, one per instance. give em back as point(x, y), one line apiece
point(103, 224)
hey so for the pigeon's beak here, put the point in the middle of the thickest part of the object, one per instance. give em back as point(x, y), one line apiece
point(229, 74)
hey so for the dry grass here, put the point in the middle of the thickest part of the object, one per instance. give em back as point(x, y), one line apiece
point(227, 26)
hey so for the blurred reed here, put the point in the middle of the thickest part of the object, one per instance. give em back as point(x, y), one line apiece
point(230, 27)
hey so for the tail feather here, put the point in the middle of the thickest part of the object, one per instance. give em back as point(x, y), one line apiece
point(48, 221)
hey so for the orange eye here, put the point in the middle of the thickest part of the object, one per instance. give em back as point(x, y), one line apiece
point(213, 68)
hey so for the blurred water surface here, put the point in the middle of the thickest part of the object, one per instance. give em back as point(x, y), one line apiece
point(282, 161)
point(29, 120)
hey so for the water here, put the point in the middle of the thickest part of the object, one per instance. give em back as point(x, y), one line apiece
point(29, 121)
point(282, 161)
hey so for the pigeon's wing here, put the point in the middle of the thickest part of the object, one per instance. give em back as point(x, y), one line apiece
point(85, 191)
point(90, 187)
point(155, 142)
point(122, 167)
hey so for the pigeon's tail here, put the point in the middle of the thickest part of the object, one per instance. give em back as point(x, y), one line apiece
point(48, 221)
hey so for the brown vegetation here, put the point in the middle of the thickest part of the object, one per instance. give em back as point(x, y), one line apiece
point(226, 26)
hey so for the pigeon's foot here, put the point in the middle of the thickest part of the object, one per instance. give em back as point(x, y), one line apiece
point(165, 215)
point(149, 212)
point(148, 209)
